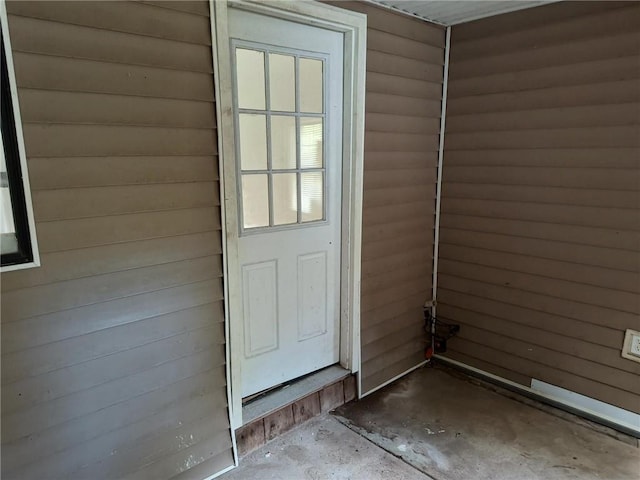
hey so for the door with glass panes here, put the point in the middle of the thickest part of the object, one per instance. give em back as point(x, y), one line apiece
point(287, 82)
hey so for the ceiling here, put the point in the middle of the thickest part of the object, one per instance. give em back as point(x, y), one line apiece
point(452, 12)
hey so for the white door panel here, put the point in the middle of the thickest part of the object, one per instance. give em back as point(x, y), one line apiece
point(288, 109)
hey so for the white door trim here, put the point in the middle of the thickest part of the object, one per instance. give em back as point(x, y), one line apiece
point(353, 25)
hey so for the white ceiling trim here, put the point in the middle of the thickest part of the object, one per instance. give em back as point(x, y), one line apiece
point(454, 12)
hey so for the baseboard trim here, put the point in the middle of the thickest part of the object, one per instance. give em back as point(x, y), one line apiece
point(538, 396)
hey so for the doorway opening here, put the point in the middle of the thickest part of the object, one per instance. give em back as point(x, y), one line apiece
point(290, 101)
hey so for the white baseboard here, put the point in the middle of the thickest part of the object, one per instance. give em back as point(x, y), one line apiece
point(614, 417)
point(596, 408)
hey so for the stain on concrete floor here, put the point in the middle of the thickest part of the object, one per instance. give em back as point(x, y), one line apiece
point(437, 424)
point(322, 449)
point(453, 429)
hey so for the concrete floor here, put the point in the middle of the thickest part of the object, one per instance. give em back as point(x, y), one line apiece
point(435, 423)
point(322, 449)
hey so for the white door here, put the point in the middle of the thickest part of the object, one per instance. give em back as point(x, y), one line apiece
point(288, 114)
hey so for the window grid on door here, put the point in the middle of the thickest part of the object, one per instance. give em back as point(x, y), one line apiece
point(281, 141)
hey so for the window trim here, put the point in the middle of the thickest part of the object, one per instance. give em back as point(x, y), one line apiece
point(20, 191)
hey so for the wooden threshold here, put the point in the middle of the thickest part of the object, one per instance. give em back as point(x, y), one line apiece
point(281, 409)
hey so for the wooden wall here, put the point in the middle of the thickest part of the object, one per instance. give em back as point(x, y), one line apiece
point(405, 58)
point(113, 361)
point(539, 252)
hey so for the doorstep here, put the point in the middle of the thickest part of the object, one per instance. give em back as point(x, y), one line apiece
point(280, 410)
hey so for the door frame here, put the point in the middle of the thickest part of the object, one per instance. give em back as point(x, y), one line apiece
point(354, 26)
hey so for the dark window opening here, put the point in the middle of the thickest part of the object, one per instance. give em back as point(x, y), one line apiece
point(15, 237)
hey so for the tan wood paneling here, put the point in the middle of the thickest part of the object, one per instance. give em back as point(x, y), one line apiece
point(71, 294)
point(606, 70)
point(114, 347)
point(84, 202)
point(619, 280)
point(91, 232)
point(386, 214)
point(115, 313)
point(492, 350)
point(404, 88)
point(380, 249)
point(50, 173)
point(48, 106)
point(615, 300)
point(388, 196)
point(562, 307)
point(402, 105)
point(489, 367)
point(131, 387)
point(376, 161)
point(569, 327)
point(409, 358)
point(536, 19)
point(381, 180)
point(584, 178)
point(382, 329)
point(87, 262)
point(165, 422)
point(605, 197)
point(408, 87)
point(607, 357)
point(71, 74)
point(607, 93)
point(381, 41)
point(402, 67)
point(614, 259)
point(540, 226)
point(57, 140)
point(376, 233)
point(400, 337)
point(571, 117)
point(207, 450)
point(54, 38)
point(574, 234)
point(146, 343)
point(600, 137)
point(603, 158)
point(403, 304)
point(130, 17)
point(617, 44)
point(400, 142)
point(197, 7)
point(146, 407)
point(381, 122)
point(573, 28)
point(377, 282)
point(607, 218)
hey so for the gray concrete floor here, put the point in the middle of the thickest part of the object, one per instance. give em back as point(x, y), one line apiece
point(322, 449)
point(435, 423)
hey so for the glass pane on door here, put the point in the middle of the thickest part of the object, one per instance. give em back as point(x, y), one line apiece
point(255, 200)
point(311, 142)
point(312, 196)
point(285, 198)
point(311, 80)
point(283, 142)
point(281, 135)
point(250, 79)
point(253, 141)
point(282, 82)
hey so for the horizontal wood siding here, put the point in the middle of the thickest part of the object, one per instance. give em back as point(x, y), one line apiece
point(113, 355)
point(540, 226)
point(405, 58)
